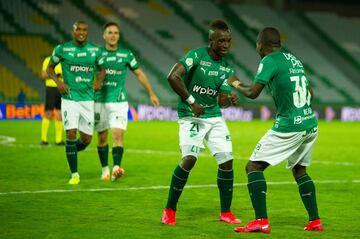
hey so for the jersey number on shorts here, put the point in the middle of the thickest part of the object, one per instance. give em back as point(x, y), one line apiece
point(301, 96)
point(194, 130)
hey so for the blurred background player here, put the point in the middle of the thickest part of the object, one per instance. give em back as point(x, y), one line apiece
point(79, 60)
point(293, 134)
point(52, 105)
point(199, 79)
point(111, 105)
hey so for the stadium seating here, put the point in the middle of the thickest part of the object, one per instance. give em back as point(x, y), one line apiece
point(342, 33)
point(10, 87)
point(160, 31)
point(33, 56)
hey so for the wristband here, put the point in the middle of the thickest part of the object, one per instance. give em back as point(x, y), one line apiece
point(190, 100)
point(236, 84)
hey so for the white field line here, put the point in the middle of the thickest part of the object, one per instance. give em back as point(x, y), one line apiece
point(167, 152)
point(161, 187)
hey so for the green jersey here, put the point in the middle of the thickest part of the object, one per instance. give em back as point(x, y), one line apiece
point(115, 64)
point(285, 76)
point(204, 79)
point(79, 65)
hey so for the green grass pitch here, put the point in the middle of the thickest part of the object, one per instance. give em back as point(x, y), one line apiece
point(36, 201)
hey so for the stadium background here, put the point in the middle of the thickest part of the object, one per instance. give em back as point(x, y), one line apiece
point(37, 202)
point(324, 35)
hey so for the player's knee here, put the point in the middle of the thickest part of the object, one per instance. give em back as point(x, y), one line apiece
point(102, 138)
point(298, 171)
point(255, 166)
point(48, 114)
point(188, 162)
point(86, 139)
point(225, 160)
point(227, 165)
point(71, 134)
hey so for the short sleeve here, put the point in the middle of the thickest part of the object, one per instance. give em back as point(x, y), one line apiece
point(266, 71)
point(45, 63)
point(190, 60)
point(56, 56)
point(225, 87)
point(133, 64)
point(100, 58)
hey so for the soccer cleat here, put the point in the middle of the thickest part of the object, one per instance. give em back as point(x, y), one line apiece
point(314, 225)
point(44, 143)
point(117, 173)
point(229, 217)
point(257, 225)
point(105, 177)
point(168, 217)
point(61, 143)
point(74, 180)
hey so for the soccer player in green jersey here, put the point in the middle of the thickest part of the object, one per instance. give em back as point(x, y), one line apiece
point(199, 79)
point(293, 134)
point(79, 60)
point(111, 104)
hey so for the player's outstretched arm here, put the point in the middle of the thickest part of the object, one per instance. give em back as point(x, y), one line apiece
point(142, 78)
point(226, 100)
point(250, 91)
point(63, 88)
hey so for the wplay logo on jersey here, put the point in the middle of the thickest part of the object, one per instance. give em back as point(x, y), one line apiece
point(204, 91)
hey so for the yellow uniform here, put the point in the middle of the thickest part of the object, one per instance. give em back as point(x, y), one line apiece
point(52, 102)
point(58, 71)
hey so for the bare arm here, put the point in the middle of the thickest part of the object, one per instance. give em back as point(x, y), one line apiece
point(177, 84)
point(226, 100)
point(50, 70)
point(250, 91)
point(99, 79)
point(142, 78)
point(44, 75)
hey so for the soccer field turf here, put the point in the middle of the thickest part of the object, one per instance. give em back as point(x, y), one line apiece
point(37, 202)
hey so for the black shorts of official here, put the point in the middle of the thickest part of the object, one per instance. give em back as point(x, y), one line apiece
point(52, 98)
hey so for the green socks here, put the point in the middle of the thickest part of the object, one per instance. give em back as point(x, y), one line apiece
point(307, 193)
point(257, 190)
point(225, 180)
point(117, 153)
point(80, 145)
point(103, 153)
point(71, 155)
point(178, 182)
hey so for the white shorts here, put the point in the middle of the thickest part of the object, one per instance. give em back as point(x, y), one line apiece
point(295, 147)
point(111, 115)
point(78, 115)
point(194, 131)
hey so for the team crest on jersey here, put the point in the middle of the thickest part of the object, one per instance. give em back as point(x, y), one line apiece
point(189, 61)
point(260, 68)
